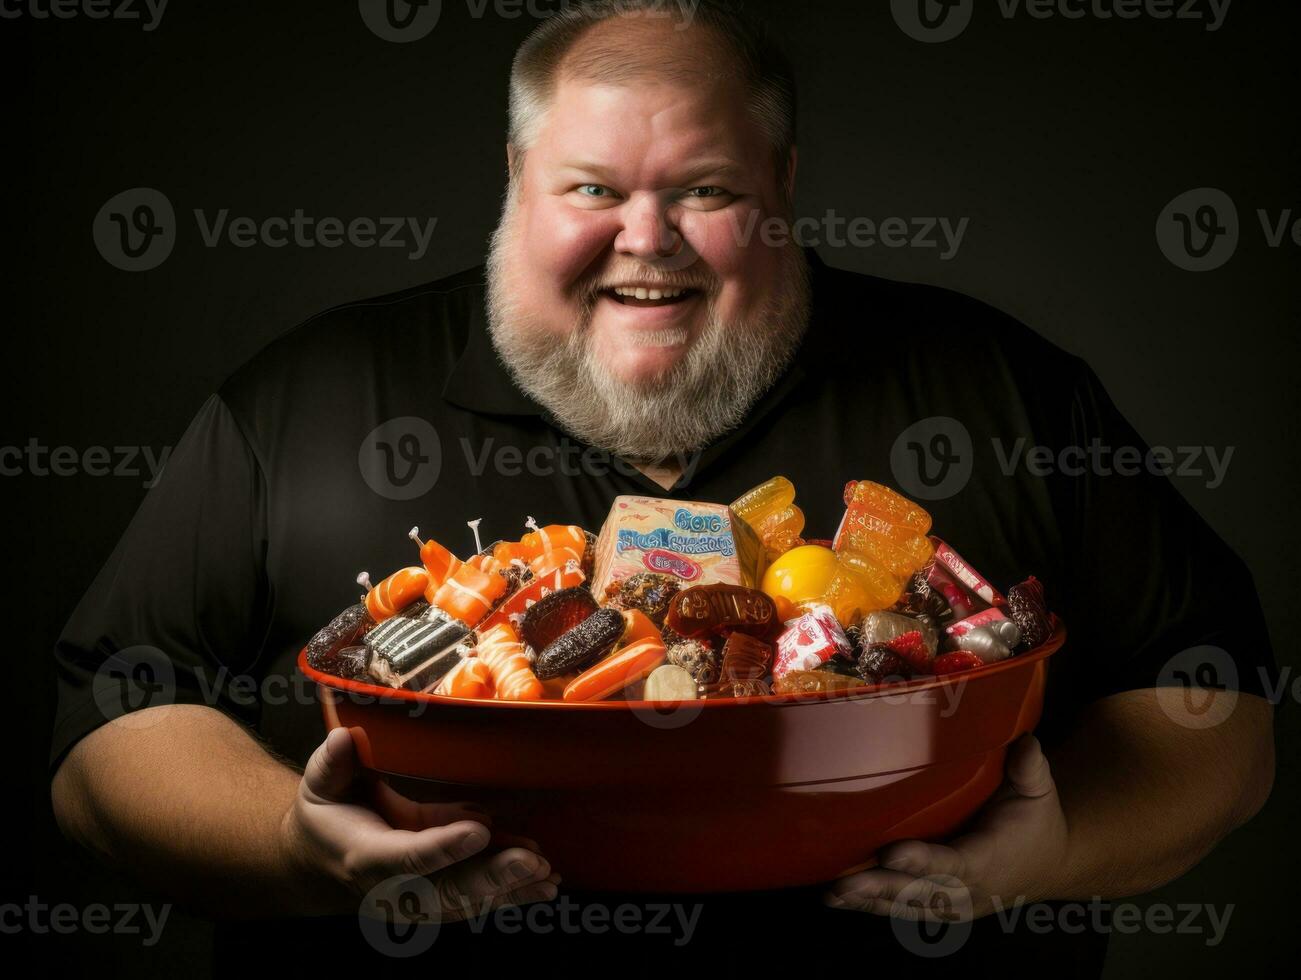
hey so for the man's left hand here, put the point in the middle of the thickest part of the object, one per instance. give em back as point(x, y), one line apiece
point(1016, 850)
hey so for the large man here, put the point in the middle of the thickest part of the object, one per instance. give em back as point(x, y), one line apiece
point(634, 333)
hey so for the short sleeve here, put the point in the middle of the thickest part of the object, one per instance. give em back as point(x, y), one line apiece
point(181, 608)
point(1152, 592)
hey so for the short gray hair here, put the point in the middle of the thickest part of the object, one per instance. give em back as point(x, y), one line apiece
point(755, 56)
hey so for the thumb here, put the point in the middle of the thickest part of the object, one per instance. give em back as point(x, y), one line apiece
point(1028, 773)
point(333, 766)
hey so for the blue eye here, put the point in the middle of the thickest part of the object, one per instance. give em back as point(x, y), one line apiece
point(706, 191)
point(593, 190)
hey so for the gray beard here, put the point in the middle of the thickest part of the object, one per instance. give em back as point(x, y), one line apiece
point(727, 368)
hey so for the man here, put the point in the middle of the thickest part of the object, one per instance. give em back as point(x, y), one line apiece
point(632, 337)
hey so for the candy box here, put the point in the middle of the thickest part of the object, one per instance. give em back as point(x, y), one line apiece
point(697, 542)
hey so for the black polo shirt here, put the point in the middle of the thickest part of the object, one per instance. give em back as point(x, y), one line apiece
point(315, 458)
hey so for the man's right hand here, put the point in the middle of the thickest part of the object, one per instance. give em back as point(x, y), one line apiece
point(333, 838)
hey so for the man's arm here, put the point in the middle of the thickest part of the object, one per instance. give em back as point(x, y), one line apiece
point(1146, 798)
point(188, 801)
point(1132, 801)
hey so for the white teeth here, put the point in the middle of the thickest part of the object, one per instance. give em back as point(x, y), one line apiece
point(641, 292)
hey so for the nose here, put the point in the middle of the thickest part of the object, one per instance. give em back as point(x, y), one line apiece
point(648, 233)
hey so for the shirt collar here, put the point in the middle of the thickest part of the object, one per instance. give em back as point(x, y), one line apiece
point(480, 381)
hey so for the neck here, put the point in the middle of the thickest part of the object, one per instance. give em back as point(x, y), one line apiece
point(664, 473)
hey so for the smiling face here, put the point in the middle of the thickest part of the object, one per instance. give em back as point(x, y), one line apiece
point(628, 278)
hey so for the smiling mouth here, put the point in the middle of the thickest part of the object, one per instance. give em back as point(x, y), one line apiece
point(647, 296)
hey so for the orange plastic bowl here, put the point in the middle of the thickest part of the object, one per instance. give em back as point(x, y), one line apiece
point(728, 795)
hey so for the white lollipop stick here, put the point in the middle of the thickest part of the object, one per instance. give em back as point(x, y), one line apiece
point(474, 526)
point(414, 535)
point(531, 524)
point(364, 581)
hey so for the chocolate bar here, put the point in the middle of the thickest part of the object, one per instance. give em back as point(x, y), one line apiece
point(415, 653)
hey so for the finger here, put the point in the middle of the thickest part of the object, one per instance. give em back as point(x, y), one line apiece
point(476, 885)
point(498, 874)
point(541, 891)
point(941, 898)
point(422, 852)
point(429, 814)
point(1028, 773)
point(919, 859)
point(331, 770)
point(856, 890)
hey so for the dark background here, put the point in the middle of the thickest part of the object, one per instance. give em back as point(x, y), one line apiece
point(1061, 141)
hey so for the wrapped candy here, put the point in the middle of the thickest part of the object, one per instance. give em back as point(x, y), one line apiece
point(882, 627)
point(974, 582)
point(1025, 604)
point(698, 659)
point(989, 635)
point(415, 654)
point(808, 641)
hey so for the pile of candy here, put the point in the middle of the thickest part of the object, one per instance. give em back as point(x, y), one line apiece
point(679, 600)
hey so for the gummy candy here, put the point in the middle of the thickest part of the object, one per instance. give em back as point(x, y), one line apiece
point(881, 542)
point(770, 510)
point(704, 609)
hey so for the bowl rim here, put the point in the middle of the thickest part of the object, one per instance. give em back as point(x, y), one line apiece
point(866, 692)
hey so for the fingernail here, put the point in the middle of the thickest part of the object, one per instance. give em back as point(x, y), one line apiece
point(518, 870)
point(473, 842)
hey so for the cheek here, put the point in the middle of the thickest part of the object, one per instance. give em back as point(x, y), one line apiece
point(730, 244)
point(561, 243)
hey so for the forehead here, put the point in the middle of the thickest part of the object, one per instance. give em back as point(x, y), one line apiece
point(650, 125)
